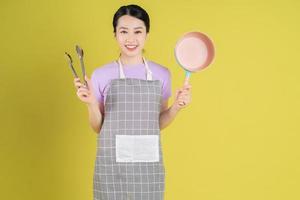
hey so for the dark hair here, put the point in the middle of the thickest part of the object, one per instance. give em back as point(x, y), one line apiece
point(134, 11)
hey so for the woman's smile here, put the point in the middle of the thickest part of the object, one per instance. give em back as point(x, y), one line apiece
point(131, 47)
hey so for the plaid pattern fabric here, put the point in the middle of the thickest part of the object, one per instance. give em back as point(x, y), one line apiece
point(132, 107)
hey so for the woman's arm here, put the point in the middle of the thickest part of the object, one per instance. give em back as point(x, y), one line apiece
point(95, 107)
point(167, 115)
point(95, 116)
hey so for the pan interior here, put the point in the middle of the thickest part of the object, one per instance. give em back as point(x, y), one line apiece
point(194, 51)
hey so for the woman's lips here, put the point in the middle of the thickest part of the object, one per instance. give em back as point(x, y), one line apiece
point(131, 47)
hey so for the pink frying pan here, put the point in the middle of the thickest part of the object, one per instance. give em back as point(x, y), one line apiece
point(194, 51)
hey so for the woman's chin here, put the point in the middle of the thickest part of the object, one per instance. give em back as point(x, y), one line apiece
point(131, 54)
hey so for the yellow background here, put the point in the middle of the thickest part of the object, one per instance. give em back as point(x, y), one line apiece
point(238, 140)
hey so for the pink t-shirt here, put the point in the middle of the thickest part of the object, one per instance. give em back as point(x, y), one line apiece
point(102, 76)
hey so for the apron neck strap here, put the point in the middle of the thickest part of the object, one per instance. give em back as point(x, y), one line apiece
point(122, 75)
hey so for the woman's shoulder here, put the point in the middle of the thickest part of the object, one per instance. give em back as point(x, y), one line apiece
point(159, 68)
point(105, 69)
point(104, 73)
point(157, 65)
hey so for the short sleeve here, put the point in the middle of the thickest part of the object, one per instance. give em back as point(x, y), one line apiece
point(96, 87)
point(167, 85)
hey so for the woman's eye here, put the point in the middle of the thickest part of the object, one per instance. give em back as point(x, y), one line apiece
point(123, 32)
point(138, 32)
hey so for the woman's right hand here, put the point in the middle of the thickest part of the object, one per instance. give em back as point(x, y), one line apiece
point(85, 94)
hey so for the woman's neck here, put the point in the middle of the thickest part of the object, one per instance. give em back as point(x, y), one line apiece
point(127, 60)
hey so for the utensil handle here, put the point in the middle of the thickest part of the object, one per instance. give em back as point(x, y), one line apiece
point(73, 70)
point(83, 71)
point(186, 82)
point(82, 67)
point(187, 77)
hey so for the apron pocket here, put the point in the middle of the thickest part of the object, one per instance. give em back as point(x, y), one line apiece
point(137, 148)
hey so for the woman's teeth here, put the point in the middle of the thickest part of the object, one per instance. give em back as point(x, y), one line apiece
point(131, 47)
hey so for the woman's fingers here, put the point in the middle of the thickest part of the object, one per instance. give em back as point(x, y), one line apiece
point(87, 80)
point(184, 92)
point(77, 83)
point(187, 86)
point(76, 80)
point(83, 93)
point(184, 89)
point(184, 98)
point(179, 91)
point(83, 89)
point(183, 95)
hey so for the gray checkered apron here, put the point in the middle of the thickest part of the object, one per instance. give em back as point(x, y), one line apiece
point(129, 162)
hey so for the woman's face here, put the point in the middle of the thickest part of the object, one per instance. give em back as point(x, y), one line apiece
point(130, 35)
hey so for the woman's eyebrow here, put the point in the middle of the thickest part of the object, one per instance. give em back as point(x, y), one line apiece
point(122, 27)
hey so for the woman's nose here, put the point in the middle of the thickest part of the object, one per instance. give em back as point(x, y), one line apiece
point(130, 38)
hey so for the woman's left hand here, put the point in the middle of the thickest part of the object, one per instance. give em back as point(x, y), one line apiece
point(182, 97)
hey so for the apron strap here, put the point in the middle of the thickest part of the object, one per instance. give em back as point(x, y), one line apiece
point(122, 75)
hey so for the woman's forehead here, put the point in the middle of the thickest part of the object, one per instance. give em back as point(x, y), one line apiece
point(129, 22)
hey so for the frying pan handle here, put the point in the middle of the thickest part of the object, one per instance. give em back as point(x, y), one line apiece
point(186, 81)
point(187, 77)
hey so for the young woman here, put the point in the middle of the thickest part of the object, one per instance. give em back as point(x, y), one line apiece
point(128, 106)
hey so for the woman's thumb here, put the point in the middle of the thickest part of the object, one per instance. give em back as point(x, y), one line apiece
point(88, 81)
point(176, 93)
